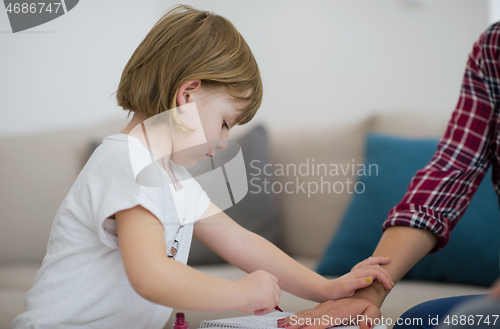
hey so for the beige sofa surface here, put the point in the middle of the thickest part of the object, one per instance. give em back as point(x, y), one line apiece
point(37, 171)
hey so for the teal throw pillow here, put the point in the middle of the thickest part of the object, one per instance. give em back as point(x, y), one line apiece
point(471, 256)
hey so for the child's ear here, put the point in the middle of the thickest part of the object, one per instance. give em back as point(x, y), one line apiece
point(186, 90)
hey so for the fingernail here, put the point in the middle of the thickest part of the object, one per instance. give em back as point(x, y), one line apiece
point(368, 324)
point(281, 320)
point(393, 283)
point(286, 325)
point(368, 279)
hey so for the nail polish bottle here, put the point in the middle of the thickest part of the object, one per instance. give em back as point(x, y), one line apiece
point(180, 322)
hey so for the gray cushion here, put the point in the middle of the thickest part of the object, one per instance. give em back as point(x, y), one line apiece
point(11, 304)
point(256, 212)
point(18, 276)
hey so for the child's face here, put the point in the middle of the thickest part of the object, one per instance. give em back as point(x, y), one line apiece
point(213, 114)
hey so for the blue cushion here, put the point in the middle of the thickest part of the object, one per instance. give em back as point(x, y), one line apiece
point(471, 256)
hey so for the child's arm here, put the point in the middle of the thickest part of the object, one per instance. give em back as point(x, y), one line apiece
point(164, 281)
point(251, 252)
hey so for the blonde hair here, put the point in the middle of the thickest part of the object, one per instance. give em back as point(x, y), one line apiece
point(188, 44)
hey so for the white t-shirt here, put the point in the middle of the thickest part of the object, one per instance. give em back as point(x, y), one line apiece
point(82, 282)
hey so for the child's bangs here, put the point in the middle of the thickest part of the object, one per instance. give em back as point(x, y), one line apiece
point(254, 101)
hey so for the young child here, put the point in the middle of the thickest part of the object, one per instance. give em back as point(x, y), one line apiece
point(117, 252)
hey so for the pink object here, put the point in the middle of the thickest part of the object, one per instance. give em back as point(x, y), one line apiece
point(180, 322)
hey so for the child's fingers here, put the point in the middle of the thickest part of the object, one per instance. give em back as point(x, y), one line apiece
point(273, 277)
point(364, 325)
point(277, 295)
point(384, 278)
point(350, 286)
point(376, 272)
point(372, 261)
point(258, 312)
point(263, 311)
point(369, 318)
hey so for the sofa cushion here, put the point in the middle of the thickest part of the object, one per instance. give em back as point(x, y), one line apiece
point(257, 211)
point(15, 281)
point(18, 276)
point(471, 256)
point(11, 304)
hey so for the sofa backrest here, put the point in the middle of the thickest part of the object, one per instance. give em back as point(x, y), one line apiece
point(310, 217)
point(36, 173)
point(309, 222)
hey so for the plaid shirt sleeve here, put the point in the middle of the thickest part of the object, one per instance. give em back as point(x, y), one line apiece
point(439, 194)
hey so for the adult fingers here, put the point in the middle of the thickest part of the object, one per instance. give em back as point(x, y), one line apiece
point(371, 316)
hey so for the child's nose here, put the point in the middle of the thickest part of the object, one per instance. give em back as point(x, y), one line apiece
point(222, 145)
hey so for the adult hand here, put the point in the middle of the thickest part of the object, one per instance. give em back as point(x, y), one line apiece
point(351, 311)
point(495, 289)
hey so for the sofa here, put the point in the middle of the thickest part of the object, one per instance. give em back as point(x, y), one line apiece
point(37, 170)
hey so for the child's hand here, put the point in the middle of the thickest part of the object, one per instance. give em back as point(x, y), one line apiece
point(361, 276)
point(258, 292)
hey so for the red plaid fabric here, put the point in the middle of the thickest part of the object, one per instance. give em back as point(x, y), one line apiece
point(440, 193)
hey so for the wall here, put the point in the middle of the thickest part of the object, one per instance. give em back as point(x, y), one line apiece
point(321, 61)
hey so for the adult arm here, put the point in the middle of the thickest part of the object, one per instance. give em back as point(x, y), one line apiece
point(440, 193)
point(405, 246)
point(366, 302)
